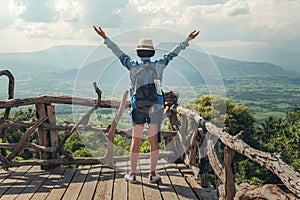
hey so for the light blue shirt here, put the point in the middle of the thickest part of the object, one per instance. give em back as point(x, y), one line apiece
point(133, 65)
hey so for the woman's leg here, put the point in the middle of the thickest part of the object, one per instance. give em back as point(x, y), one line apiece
point(137, 134)
point(154, 147)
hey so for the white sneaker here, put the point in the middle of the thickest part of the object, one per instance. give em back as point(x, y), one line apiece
point(154, 179)
point(130, 178)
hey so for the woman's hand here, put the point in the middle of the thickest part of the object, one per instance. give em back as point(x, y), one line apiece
point(100, 32)
point(193, 35)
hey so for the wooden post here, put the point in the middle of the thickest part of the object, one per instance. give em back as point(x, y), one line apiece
point(53, 133)
point(111, 133)
point(229, 177)
point(47, 138)
point(193, 149)
point(182, 134)
point(170, 146)
point(42, 133)
point(173, 120)
point(203, 172)
point(176, 143)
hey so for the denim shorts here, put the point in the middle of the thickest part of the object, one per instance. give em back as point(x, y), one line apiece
point(139, 117)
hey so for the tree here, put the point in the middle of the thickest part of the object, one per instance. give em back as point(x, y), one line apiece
point(75, 146)
point(281, 136)
point(236, 118)
point(224, 113)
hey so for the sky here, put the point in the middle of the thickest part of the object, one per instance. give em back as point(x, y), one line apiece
point(253, 30)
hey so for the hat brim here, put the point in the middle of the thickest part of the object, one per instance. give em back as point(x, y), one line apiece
point(145, 48)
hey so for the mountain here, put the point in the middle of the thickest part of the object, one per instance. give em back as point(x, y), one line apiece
point(63, 62)
point(56, 58)
point(230, 67)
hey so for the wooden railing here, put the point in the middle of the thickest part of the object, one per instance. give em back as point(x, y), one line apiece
point(184, 140)
point(45, 124)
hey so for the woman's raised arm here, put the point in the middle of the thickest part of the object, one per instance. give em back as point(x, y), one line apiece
point(100, 32)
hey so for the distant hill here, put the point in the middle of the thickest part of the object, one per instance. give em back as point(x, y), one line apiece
point(230, 67)
point(64, 61)
point(56, 58)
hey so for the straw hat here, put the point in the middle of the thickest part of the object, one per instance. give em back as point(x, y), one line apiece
point(145, 44)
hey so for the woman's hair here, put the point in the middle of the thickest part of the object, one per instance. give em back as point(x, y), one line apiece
point(145, 53)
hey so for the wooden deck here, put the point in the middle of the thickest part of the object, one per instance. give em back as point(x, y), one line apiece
point(100, 182)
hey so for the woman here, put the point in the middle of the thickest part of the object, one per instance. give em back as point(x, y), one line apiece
point(145, 50)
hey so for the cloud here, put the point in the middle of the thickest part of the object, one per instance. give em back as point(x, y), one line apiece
point(235, 8)
point(5, 18)
point(232, 28)
point(276, 16)
point(69, 11)
point(89, 12)
point(270, 20)
point(154, 13)
point(62, 19)
point(180, 13)
point(220, 20)
point(32, 10)
point(104, 13)
point(227, 22)
point(16, 8)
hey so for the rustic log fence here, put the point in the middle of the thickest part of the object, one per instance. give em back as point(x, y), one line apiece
point(11, 87)
point(185, 138)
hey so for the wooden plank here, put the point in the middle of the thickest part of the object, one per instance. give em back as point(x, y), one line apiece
point(59, 189)
point(104, 189)
point(144, 166)
point(122, 167)
point(181, 187)
point(20, 185)
point(90, 183)
point(202, 193)
point(120, 190)
point(185, 171)
point(76, 184)
point(6, 173)
point(151, 190)
point(12, 179)
point(160, 164)
point(135, 190)
point(41, 185)
point(47, 186)
point(166, 188)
